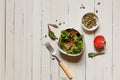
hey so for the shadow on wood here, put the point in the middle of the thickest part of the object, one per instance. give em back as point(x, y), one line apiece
point(99, 50)
point(73, 59)
point(89, 32)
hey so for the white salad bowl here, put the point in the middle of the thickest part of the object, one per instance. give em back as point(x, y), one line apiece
point(76, 54)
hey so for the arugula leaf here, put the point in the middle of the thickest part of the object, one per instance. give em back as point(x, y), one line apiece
point(52, 35)
point(53, 25)
point(92, 54)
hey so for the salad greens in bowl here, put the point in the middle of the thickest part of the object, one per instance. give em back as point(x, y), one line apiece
point(71, 42)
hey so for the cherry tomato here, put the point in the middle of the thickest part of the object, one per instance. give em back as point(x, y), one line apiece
point(99, 41)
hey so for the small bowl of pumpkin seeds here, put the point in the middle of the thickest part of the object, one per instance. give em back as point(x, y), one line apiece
point(90, 21)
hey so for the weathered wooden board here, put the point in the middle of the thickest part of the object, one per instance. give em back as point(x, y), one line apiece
point(10, 39)
point(103, 63)
point(2, 39)
point(116, 38)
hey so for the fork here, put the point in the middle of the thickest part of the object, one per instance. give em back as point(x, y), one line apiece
point(53, 52)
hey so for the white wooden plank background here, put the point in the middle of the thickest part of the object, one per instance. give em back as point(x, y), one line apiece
point(2, 40)
point(23, 26)
point(116, 38)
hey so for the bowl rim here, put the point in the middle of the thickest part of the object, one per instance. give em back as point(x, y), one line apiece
point(63, 52)
point(94, 27)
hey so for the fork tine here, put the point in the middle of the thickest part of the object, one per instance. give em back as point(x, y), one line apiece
point(49, 47)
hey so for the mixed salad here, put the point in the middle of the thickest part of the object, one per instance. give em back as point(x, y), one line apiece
point(71, 41)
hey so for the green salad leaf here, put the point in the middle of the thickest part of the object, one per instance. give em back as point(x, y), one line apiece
point(52, 35)
point(50, 32)
point(93, 54)
point(75, 49)
point(62, 46)
point(53, 25)
point(64, 36)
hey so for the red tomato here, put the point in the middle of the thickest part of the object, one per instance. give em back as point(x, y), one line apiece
point(99, 41)
point(68, 46)
point(72, 31)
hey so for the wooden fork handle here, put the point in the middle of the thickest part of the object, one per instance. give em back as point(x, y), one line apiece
point(65, 70)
